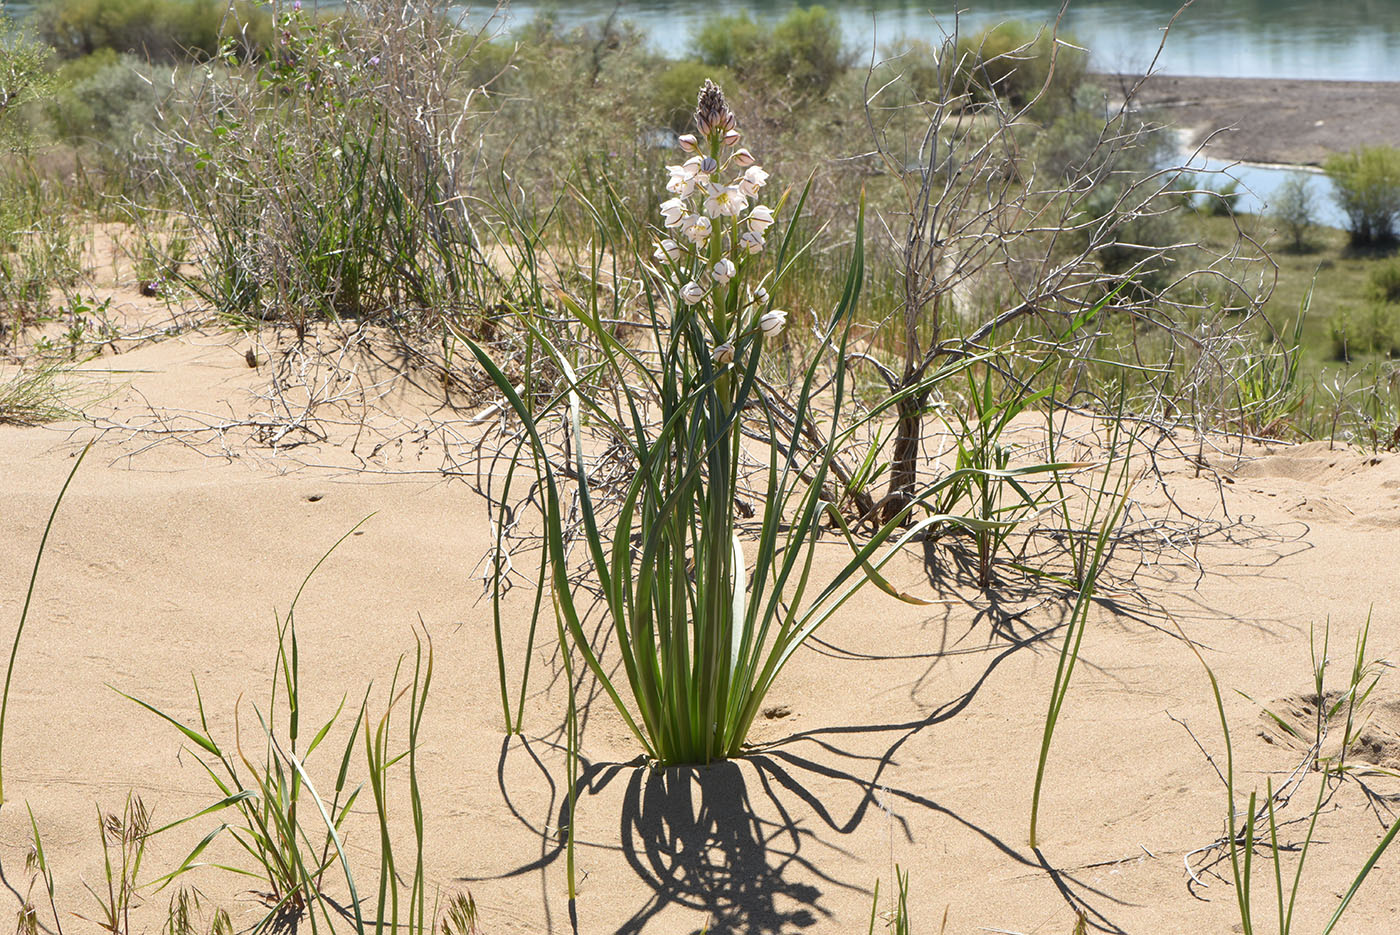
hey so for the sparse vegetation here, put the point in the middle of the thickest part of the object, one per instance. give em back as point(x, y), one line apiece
point(874, 341)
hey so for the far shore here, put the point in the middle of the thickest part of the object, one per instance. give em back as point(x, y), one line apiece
point(1281, 121)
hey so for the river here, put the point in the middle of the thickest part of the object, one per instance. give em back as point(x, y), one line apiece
point(1323, 39)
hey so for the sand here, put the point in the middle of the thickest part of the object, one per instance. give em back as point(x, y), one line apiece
point(903, 736)
point(1275, 120)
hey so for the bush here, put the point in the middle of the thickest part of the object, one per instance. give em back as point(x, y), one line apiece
point(1013, 60)
point(107, 99)
point(1384, 284)
point(1222, 203)
point(1372, 330)
point(156, 30)
point(1368, 191)
point(803, 50)
point(1293, 209)
point(25, 79)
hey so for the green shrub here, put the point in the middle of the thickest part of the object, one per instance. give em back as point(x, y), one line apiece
point(1013, 60)
point(735, 41)
point(1367, 180)
point(1384, 284)
point(803, 50)
point(156, 30)
point(1222, 203)
point(807, 49)
point(25, 79)
point(1292, 209)
point(107, 99)
point(1372, 330)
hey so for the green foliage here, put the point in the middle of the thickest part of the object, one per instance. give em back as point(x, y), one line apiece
point(803, 50)
point(26, 78)
point(107, 99)
point(325, 184)
point(1219, 201)
point(1293, 209)
point(1022, 63)
point(1383, 285)
point(154, 30)
point(1367, 181)
point(1372, 329)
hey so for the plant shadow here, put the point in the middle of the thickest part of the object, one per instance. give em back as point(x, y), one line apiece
point(694, 836)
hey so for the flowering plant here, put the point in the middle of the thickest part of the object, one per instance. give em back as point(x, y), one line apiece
point(704, 619)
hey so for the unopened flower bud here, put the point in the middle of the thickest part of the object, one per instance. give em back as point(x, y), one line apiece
point(752, 243)
point(772, 322)
point(692, 292)
point(722, 355)
point(743, 158)
point(723, 271)
point(760, 295)
point(708, 165)
point(731, 137)
point(689, 143)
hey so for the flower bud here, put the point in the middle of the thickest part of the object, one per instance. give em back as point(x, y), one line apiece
point(723, 271)
point(743, 158)
point(752, 243)
point(760, 295)
point(722, 355)
point(668, 249)
point(692, 292)
point(772, 323)
point(759, 218)
point(708, 165)
point(731, 137)
point(689, 143)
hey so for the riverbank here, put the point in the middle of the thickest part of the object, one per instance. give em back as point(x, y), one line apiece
point(1272, 120)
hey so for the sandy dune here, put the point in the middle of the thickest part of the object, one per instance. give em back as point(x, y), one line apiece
point(904, 735)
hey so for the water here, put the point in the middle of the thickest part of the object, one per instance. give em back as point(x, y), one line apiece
point(1258, 184)
point(1329, 39)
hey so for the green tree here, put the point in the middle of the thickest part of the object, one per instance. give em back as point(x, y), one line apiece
point(1367, 180)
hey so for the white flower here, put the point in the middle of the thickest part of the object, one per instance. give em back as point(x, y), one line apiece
point(760, 295)
point(773, 322)
point(697, 228)
point(754, 179)
point(722, 355)
point(681, 183)
point(724, 201)
point(743, 157)
point(760, 218)
point(731, 137)
point(673, 211)
point(752, 242)
point(688, 142)
point(692, 292)
point(723, 271)
point(668, 249)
